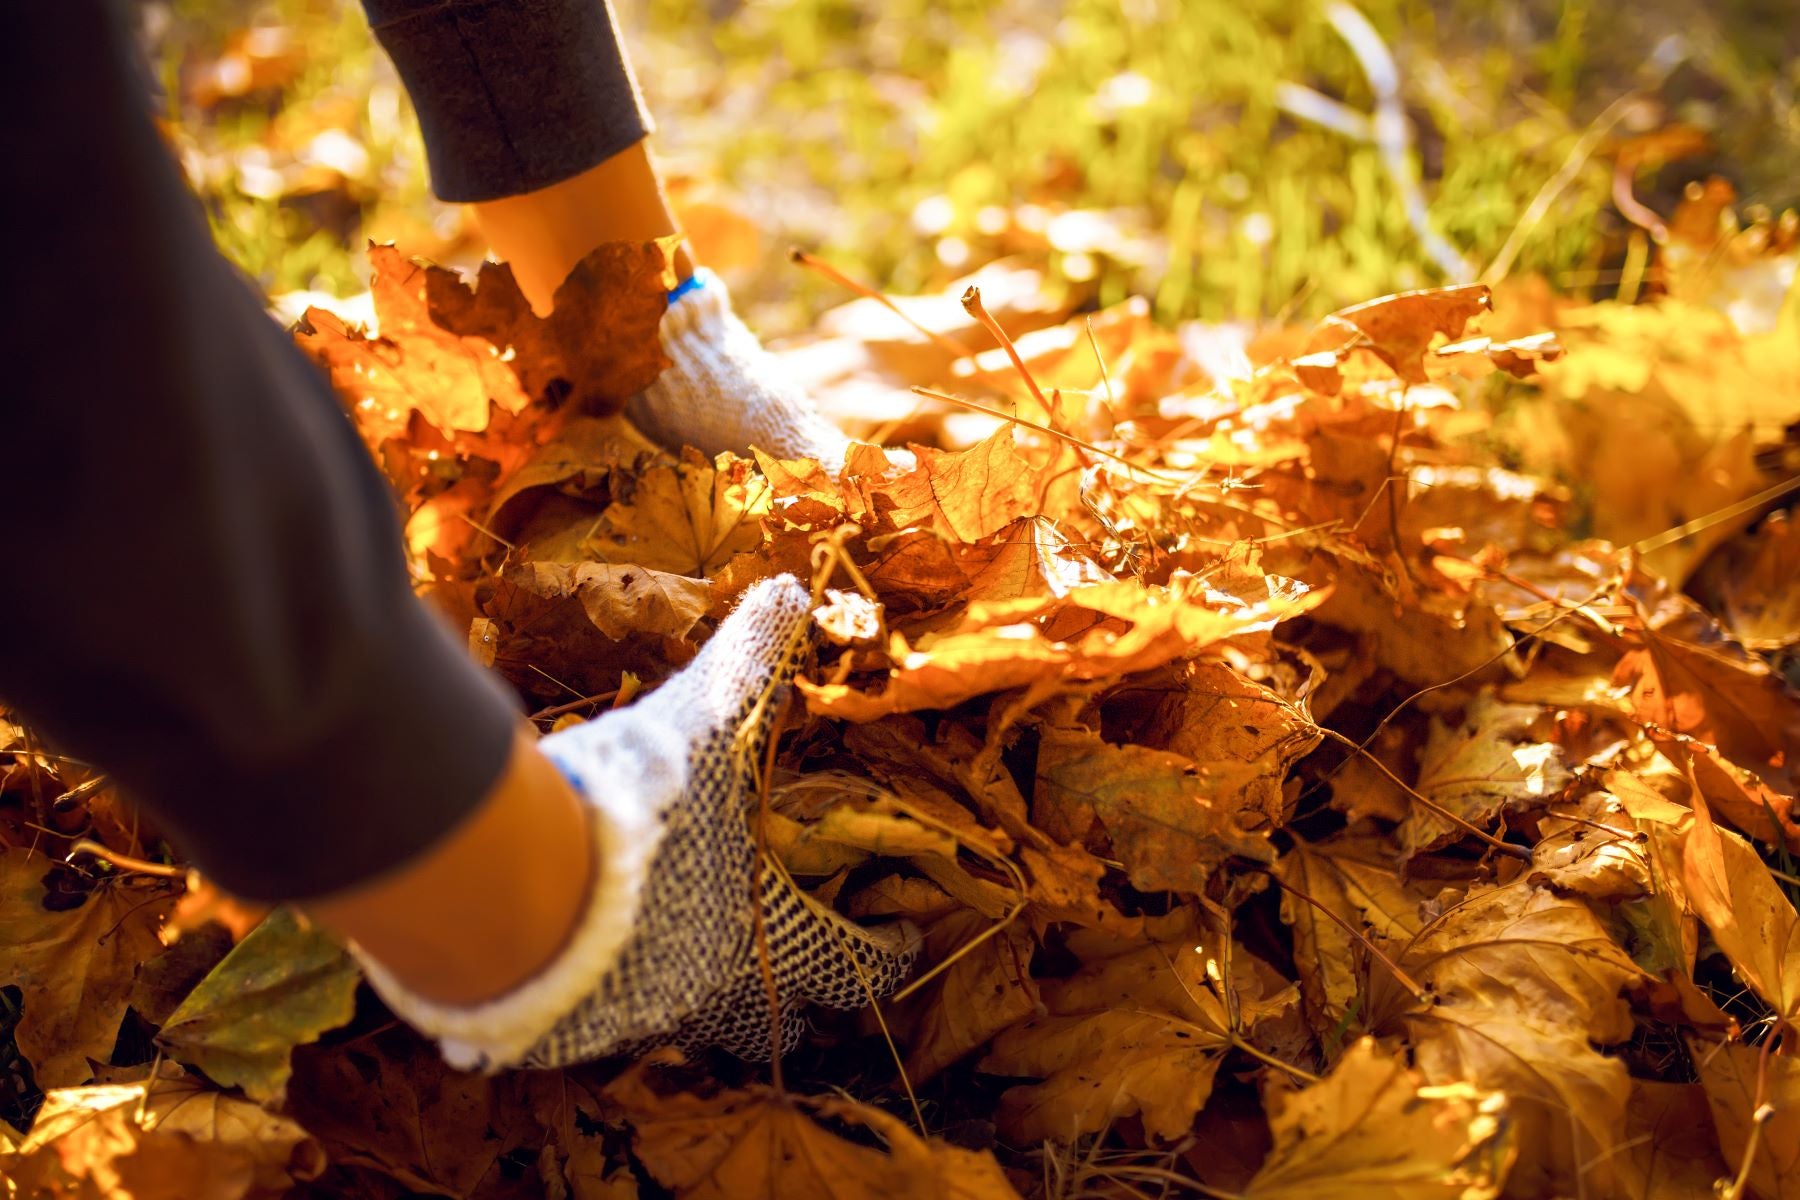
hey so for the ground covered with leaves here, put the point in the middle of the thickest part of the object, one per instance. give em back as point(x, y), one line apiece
point(1356, 762)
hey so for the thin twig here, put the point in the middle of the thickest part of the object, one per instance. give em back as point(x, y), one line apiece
point(1049, 431)
point(1700, 524)
point(1432, 805)
point(971, 302)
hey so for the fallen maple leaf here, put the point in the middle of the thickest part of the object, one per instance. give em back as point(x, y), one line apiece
point(1487, 765)
point(73, 945)
point(387, 1102)
point(1761, 601)
point(1140, 1029)
point(413, 363)
point(1525, 983)
point(759, 1142)
point(281, 987)
point(685, 518)
point(1670, 1150)
point(1686, 676)
point(601, 341)
point(1356, 879)
point(987, 987)
point(965, 495)
point(1171, 821)
point(1374, 1130)
point(168, 1138)
point(1119, 628)
point(1396, 329)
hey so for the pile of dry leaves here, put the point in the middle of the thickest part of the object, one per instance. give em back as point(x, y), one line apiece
point(1296, 803)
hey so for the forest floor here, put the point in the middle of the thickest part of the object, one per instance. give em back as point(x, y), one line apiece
point(1334, 742)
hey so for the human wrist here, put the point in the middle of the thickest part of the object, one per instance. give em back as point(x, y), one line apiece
point(491, 903)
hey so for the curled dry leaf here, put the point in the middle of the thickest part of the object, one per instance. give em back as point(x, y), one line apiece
point(168, 1138)
point(280, 987)
point(1396, 329)
point(849, 618)
point(757, 1142)
point(1688, 677)
point(1375, 1130)
point(1489, 764)
point(73, 945)
point(1117, 629)
point(1753, 922)
point(621, 601)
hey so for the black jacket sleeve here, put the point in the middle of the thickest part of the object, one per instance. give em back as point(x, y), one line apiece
point(201, 584)
point(512, 95)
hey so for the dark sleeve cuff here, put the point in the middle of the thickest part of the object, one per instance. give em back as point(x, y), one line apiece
point(512, 95)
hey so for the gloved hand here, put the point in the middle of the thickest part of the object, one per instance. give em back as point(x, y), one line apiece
point(723, 391)
point(667, 948)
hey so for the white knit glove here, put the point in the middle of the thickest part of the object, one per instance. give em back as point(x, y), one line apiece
point(667, 949)
point(723, 391)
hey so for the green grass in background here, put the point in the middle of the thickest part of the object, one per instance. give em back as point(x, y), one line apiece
point(908, 140)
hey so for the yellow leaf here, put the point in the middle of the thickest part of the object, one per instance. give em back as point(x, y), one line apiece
point(1171, 821)
point(1728, 1073)
point(1489, 764)
point(170, 1138)
point(72, 947)
point(756, 1142)
point(1751, 920)
point(1525, 981)
point(1117, 629)
point(686, 518)
point(621, 601)
point(1373, 1130)
point(1140, 1030)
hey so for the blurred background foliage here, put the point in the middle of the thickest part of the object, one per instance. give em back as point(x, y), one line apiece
point(1213, 157)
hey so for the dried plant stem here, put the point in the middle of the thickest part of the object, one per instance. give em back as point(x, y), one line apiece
point(1477, 831)
point(87, 847)
point(971, 302)
point(80, 792)
point(814, 263)
point(545, 714)
point(1761, 1112)
point(770, 990)
point(1701, 524)
point(1050, 431)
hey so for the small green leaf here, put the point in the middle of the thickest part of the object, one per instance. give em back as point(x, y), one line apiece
point(280, 987)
